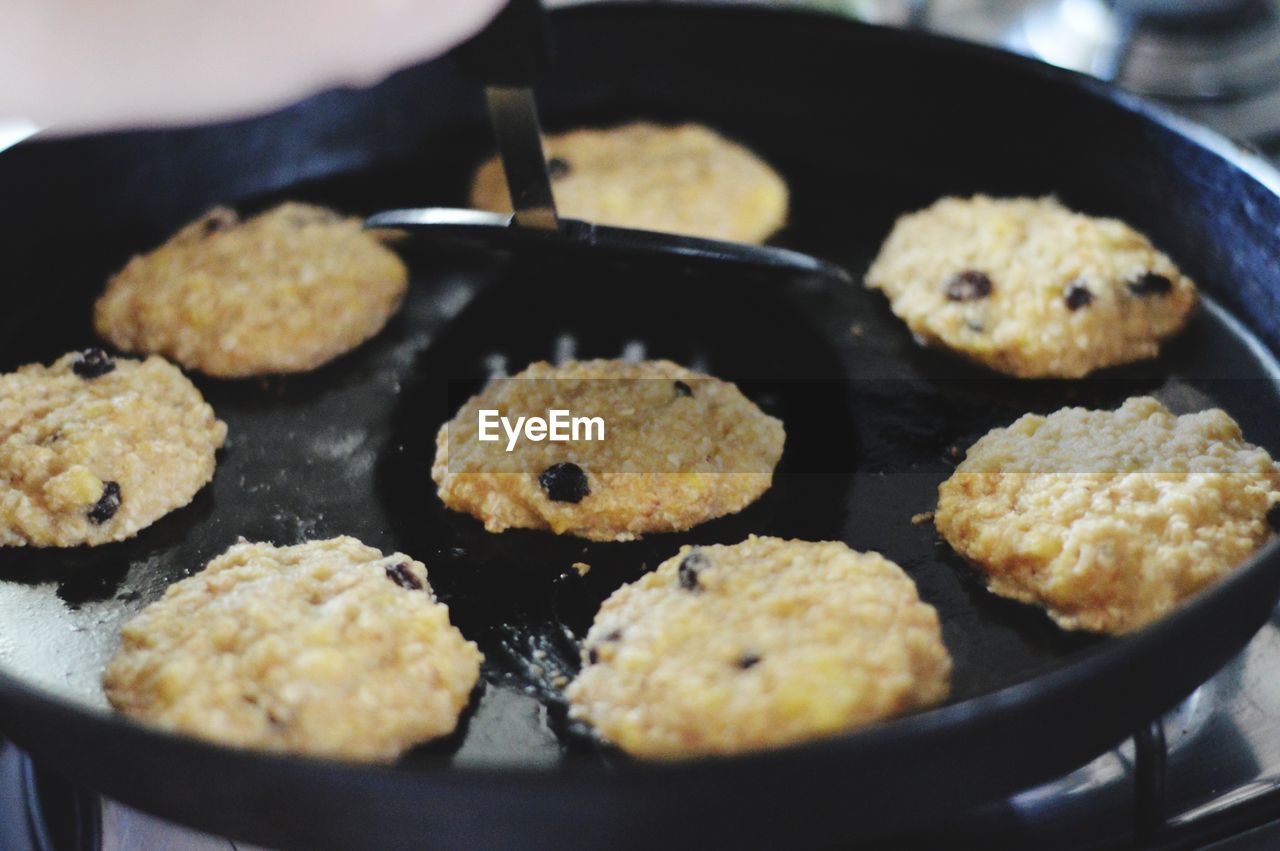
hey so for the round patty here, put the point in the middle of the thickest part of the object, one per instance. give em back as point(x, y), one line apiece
point(683, 179)
point(94, 449)
point(327, 648)
point(680, 448)
point(1109, 519)
point(763, 643)
point(1031, 288)
point(285, 291)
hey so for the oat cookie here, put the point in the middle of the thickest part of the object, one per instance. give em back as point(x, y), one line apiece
point(284, 291)
point(1109, 519)
point(763, 643)
point(1031, 288)
point(327, 648)
point(685, 179)
point(94, 449)
point(680, 448)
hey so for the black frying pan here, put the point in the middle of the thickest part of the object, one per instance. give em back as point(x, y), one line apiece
point(865, 124)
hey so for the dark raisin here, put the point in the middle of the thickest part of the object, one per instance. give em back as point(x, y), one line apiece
point(1273, 516)
point(1077, 295)
point(690, 567)
point(683, 389)
point(93, 363)
point(748, 660)
point(401, 575)
point(107, 506)
point(1149, 283)
point(218, 220)
point(593, 655)
point(557, 168)
point(613, 635)
point(564, 482)
point(969, 285)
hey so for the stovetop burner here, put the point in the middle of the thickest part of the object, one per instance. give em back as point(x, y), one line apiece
point(1178, 49)
point(1215, 61)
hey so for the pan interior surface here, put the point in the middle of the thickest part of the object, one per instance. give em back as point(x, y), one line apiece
point(873, 426)
point(873, 420)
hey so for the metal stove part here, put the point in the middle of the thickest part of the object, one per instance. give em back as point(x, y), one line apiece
point(124, 829)
point(1222, 761)
point(1082, 35)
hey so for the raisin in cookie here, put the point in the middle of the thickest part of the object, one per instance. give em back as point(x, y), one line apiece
point(679, 448)
point(327, 648)
point(763, 643)
point(1109, 519)
point(684, 179)
point(93, 449)
point(1031, 288)
point(285, 291)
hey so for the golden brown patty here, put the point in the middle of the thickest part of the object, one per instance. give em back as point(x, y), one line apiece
point(763, 643)
point(1031, 288)
point(285, 291)
point(327, 648)
point(680, 449)
point(1109, 519)
point(93, 449)
point(685, 179)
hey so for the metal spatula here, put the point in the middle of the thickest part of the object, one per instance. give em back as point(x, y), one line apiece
point(506, 58)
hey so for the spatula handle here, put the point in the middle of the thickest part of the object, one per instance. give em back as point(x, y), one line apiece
point(506, 58)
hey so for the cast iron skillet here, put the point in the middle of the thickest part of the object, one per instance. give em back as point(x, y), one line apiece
point(865, 124)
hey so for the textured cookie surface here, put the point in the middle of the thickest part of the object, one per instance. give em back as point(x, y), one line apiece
point(1031, 288)
point(680, 448)
point(327, 648)
point(766, 642)
point(1109, 519)
point(94, 449)
point(685, 179)
point(285, 291)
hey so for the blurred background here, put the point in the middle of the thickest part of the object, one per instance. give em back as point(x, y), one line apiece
point(1217, 61)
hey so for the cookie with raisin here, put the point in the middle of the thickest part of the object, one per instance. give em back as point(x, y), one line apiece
point(94, 449)
point(327, 648)
point(674, 448)
point(1029, 287)
point(768, 642)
